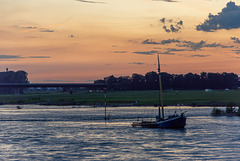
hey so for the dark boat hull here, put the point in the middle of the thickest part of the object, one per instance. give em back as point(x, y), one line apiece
point(177, 122)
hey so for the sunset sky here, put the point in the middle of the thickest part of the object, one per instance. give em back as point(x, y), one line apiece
point(85, 40)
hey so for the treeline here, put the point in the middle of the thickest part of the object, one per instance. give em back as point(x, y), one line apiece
point(190, 81)
point(12, 77)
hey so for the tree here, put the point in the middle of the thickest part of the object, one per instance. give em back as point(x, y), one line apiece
point(124, 83)
point(167, 80)
point(191, 81)
point(138, 82)
point(111, 80)
point(12, 77)
point(152, 80)
point(173, 81)
point(21, 77)
point(178, 81)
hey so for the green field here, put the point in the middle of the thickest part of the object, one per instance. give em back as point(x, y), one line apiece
point(116, 98)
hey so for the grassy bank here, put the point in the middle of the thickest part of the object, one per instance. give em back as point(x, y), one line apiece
point(182, 97)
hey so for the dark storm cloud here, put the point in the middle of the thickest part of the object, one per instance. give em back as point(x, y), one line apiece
point(228, 19)
point(90, 1)
point(236, 40)
point(146, 52)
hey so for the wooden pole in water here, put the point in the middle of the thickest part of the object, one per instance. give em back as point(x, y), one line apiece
point(105, 103)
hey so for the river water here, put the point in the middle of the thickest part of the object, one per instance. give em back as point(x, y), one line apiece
point(80, 133)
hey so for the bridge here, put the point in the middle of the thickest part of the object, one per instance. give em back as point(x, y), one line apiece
point(45, 85)
point(18, 86)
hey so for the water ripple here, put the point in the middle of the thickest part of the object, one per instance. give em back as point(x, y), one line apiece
point(65, 133)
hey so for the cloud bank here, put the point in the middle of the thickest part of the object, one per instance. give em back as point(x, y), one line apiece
point(228, 19)
point(202, 44)
point(189, 44)
point(163, 42)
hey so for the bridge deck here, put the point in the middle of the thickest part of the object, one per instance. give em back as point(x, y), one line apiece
point(64, 85)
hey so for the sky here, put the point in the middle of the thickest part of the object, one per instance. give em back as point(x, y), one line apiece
point(81, 41)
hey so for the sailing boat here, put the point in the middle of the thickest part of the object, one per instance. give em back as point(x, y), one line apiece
point(171, 122)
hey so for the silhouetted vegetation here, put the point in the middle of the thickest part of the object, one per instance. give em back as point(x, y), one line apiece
point(230, 110)
point(190, 81)
point(217, 112)
point(12, 77)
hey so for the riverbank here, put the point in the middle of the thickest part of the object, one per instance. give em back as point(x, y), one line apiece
point(128, 98)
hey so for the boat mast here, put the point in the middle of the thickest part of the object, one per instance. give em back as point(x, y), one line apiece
point(160, 91)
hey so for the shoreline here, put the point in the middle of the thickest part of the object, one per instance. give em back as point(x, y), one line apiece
point(118, 105)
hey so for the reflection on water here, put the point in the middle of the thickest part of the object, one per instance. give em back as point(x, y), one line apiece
point(66, 133)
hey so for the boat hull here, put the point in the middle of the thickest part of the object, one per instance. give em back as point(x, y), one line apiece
point(177, 122)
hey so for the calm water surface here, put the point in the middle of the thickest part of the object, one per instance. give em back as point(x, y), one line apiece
point(67, 133)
